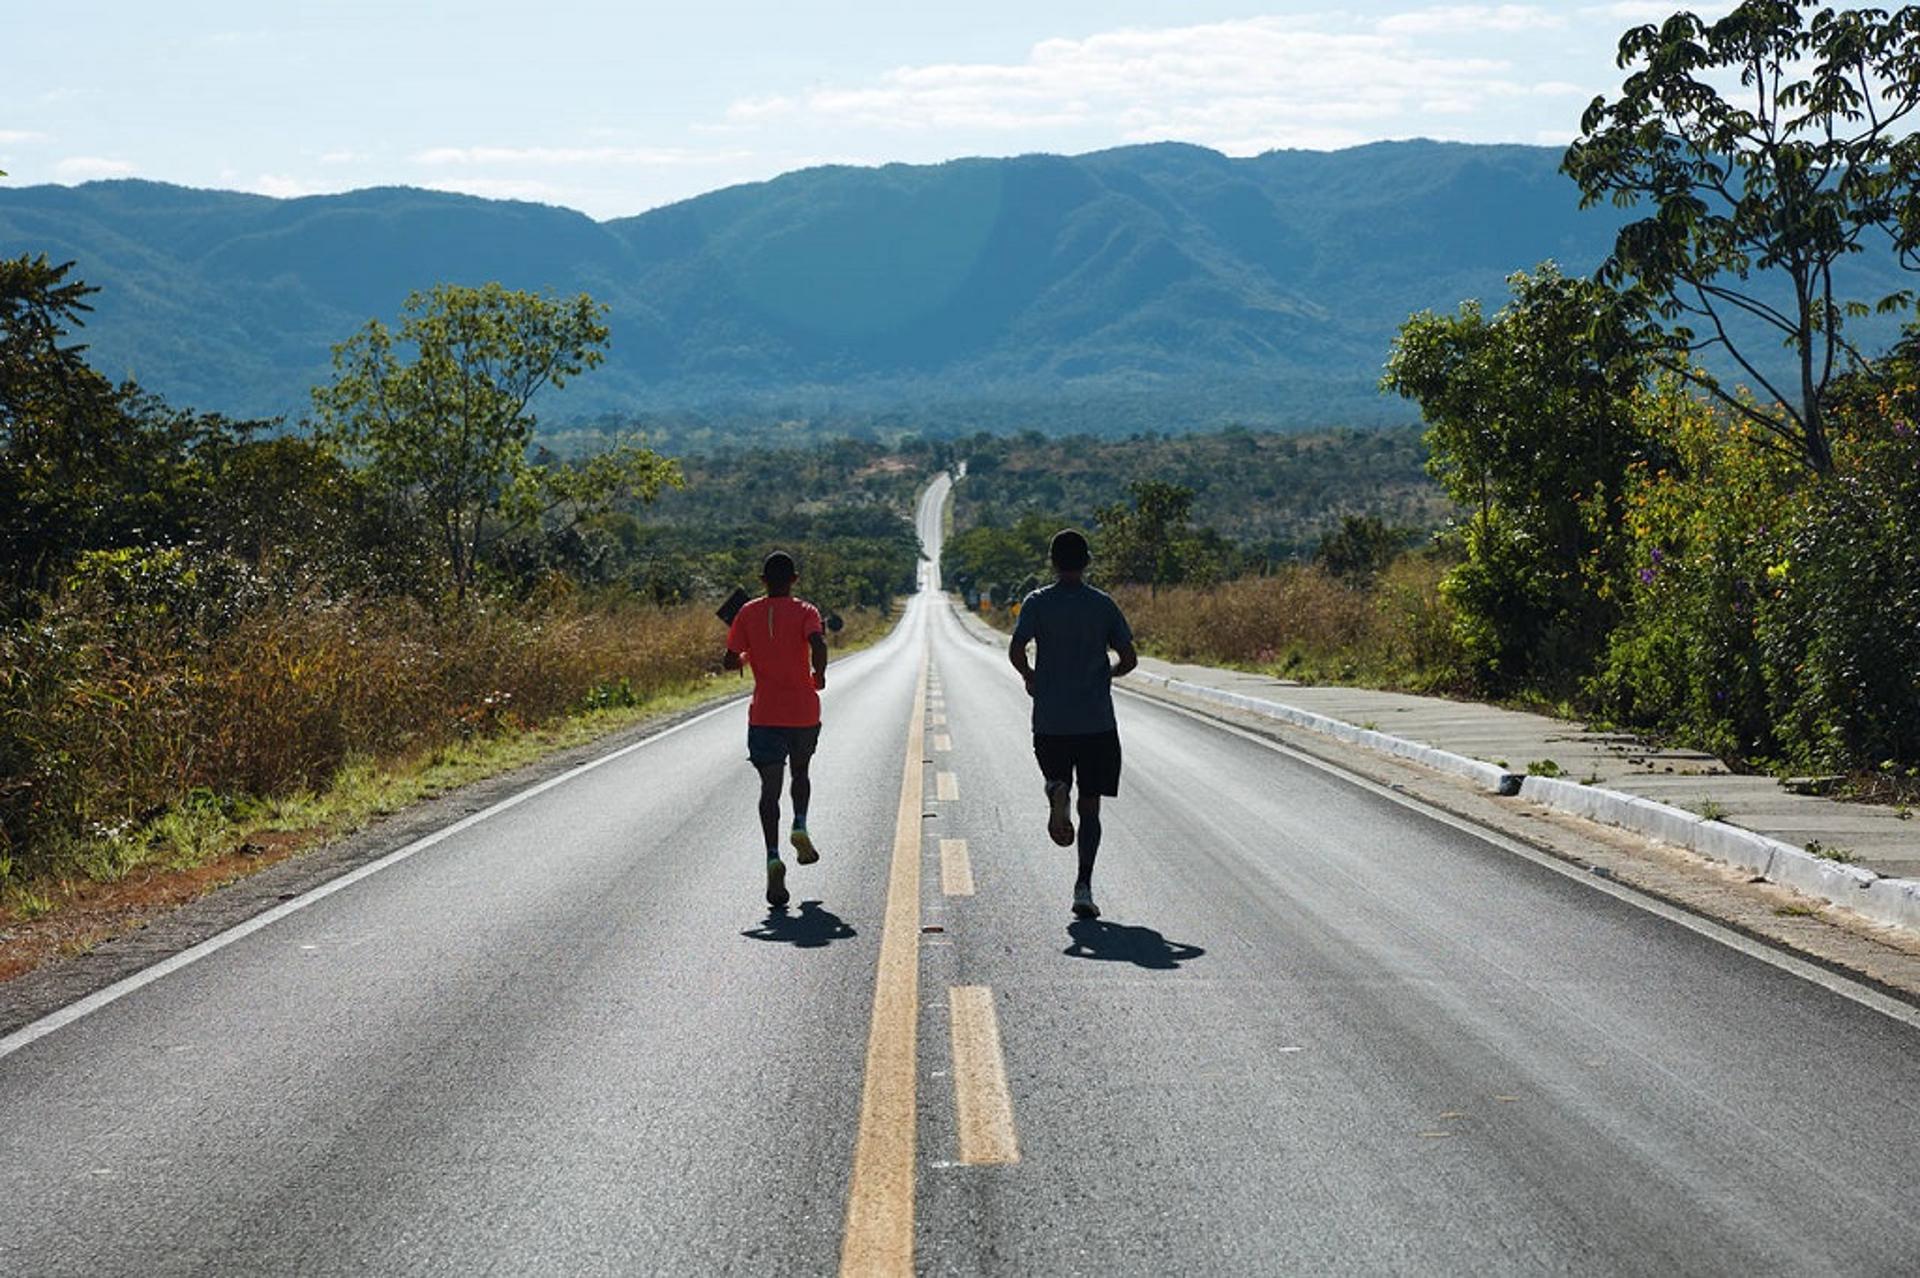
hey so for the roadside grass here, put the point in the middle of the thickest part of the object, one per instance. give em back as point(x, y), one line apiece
point(1301, 623)
point(106, 881)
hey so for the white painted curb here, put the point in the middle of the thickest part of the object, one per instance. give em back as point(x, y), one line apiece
point(1488, 776)
point(1877, 897)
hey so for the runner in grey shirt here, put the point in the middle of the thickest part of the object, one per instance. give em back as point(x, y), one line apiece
point(1073, 627)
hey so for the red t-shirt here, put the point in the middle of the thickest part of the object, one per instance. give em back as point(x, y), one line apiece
point(772, 634)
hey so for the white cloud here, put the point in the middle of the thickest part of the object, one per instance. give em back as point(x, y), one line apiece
point(1463, 18)
point(504, 189)
point(552, 156)
point(342, 157)
point(13, 137)
point(1656, 11)
point(1240, 85)
point(281, 186)
point(86, 168)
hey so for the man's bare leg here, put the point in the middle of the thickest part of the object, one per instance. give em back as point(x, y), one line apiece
point(771, 776)
point(1089, 809)
point(803, 850)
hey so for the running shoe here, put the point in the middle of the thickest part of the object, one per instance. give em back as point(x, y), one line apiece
point(777, 883)
point(803, 850)
point(1083, 906)
point(1059, 820)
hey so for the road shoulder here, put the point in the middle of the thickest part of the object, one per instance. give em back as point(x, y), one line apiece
point(47, 988)
point(1881, 955)
point(1884, 956)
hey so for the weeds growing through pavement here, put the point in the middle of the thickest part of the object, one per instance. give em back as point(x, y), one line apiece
point(1827, 852)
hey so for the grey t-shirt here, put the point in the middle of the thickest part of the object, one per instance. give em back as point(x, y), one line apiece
point(1072, 627)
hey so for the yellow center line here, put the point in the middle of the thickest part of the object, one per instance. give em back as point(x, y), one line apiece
point(956, 868)
point(946, 786)
point(879, 1236)
point(981, 1098)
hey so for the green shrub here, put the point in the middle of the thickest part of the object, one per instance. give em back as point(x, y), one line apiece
point(1774, 615)
point(1842, 640)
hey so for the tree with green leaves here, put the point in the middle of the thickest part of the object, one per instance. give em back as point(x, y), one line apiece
point(1756, 197)
point(1142, 542)
point(1361, 547)
point(1151, 540)
point(1531, 423)
point(84, 465)
point(439, 410)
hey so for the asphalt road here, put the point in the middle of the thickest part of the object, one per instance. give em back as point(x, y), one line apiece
point(1317, 1031)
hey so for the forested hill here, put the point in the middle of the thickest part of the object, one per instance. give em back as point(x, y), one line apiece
point(1155, 285)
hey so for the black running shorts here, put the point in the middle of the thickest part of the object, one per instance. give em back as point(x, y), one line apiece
point(768, 747)
point(1093, 757)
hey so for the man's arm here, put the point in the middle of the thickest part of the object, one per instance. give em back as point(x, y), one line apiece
point(1017, 654)
point(733, 660)
point(818, 643)
point(1128, 658)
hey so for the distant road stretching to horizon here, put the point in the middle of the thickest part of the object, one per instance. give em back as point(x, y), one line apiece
point(1319, 1030)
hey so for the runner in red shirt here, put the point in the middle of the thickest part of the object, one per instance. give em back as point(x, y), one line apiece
point(782, 639)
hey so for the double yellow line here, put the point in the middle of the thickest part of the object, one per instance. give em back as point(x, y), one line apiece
point(879, 1237)
point(880, 1203)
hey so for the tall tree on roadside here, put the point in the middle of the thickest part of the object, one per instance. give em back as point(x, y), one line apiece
point(440, 410)
point(84, 465)
point(1531, 424)
point(1757, 196)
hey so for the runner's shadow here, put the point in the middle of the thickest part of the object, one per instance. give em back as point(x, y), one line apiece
point(810, 929)
point(1124, 943)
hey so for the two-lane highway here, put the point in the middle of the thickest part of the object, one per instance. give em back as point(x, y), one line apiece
point(1318, 1030)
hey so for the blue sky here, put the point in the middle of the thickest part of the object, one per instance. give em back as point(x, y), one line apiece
point(614, 109)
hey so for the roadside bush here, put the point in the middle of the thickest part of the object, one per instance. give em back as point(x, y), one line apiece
point(107, 717)
point(1774, 615)
point(1705, 535)
point(1842, 642)
point(1303, 623)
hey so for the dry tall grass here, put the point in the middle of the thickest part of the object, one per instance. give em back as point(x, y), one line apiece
point(104, 724)
point(1303, 623)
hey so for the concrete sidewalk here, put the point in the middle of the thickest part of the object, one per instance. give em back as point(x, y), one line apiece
point(1852, 844)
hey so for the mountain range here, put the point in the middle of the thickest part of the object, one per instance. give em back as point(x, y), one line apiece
point(1163, 285)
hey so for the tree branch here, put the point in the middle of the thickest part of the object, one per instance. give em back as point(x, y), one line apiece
point(1721, 329)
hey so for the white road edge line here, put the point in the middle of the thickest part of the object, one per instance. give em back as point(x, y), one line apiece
point(59, 1019)
point(1865, 995)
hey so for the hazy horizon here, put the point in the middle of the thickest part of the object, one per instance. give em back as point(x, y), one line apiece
point(614, 112)
point(878, 164)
